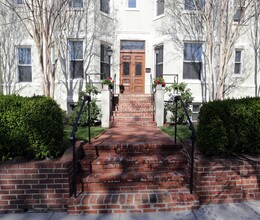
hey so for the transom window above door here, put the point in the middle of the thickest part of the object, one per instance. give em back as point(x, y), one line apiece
point(132, 45)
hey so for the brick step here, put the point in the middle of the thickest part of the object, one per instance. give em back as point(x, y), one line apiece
point(135, 106)
point(135, 110)
point(137, 123)
point(133, 119)
point(147, 114)
point(133, 181)
point(149, 201)
point(135, 163)
point(127, 150)
point(123, 97)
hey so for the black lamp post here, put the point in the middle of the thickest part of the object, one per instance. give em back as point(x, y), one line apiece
point(109, 53)
point(157, 51)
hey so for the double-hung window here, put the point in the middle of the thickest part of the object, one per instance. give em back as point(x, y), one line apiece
point(239, 7)
point(24, 64)
point(75, 3)
point(159, 7)
point(104, 6)
point(238, 62)
point(159, 60)
point(192, 63)
point(76, 59)
point(104, 62)
point(194, 4)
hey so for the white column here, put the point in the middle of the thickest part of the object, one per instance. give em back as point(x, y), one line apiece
point(105, 106)
point(159, 105)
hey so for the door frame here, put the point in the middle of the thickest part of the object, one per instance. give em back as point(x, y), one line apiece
point(133, 52)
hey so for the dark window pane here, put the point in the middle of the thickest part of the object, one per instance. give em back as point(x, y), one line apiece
point(18, 2)
point(104, 62)
point(76, 3)
point(238, 14)
point(76, 50)
point(104, 6)
point(195, 116)
point(237, 68)
point(138, 69)
point(196, 108)
point(126, 68)
point(25, 73)
point(24, 55)
point(194, 4)
point(192, 51)
point(76, 69)
point(160, 7)
point(132, 45)
point(238, 56)
point(191, 70)
point(104, 70)
point(160, 70)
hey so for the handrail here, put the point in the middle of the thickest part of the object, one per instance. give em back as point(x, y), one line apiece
point(193, 137)
point(73, 141)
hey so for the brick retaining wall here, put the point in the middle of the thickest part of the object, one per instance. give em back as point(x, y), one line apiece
point(35, 185)
point(226, 180)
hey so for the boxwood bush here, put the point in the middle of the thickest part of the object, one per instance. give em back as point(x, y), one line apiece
point(30, 128)
point(229, 126)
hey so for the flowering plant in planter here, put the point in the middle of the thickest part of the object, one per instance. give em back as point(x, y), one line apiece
point(158, 80)
point(109, 81)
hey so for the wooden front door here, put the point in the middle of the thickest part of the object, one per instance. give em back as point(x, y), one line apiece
point(132, 72)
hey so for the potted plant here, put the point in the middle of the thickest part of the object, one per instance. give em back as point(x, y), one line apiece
point(158, 81)
point(109, 82)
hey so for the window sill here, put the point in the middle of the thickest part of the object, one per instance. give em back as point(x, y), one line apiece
point(192, 12)
point(132, 9)
point(159, 17)
point(193, 81)
point(106, 15)
point(236, 75)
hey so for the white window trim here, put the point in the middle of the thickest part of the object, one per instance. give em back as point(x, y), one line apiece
point(155, 12)
point(110, 10)
point(202, 61)
point(69, 60)
point(241, 62)
point(17, 72)
point(132, 9)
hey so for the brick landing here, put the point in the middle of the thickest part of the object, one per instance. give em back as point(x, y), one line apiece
point(133, 135)
point(132, 169)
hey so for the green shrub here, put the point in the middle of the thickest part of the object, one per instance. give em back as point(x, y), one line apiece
point(31, 128)
point(186, 96)
point(94, 108)
point(229, 126)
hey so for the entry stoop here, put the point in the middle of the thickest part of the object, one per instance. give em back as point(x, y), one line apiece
point(133, 170)
point(133, 110)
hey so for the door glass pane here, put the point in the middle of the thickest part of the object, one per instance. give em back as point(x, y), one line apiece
point(126, 68)
point(138, 69)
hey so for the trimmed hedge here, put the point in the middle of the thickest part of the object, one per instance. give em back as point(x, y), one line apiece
point(30, 128)
point(229, 126)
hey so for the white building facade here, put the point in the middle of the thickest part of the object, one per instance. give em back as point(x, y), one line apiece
point(142, 49)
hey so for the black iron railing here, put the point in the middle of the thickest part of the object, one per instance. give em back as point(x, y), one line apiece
point(193, 136)
point(86, 98)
